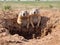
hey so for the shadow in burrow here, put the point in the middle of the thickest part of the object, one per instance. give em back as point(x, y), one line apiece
point(14, 28)
point(43, 25)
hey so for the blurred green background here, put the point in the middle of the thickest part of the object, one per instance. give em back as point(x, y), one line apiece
point(29, 4)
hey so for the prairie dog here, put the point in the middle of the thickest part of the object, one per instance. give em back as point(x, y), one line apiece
point(34, 17)
point(23, 18)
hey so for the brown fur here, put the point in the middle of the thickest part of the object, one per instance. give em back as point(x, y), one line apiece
point(23, 20)
point(35, 19)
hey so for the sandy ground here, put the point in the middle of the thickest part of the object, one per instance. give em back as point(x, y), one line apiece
point(52, 38)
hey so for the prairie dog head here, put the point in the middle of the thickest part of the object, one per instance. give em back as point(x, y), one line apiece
point(23, 13)
point(34, 11)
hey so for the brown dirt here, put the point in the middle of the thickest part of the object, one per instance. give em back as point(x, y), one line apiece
point(50, 21)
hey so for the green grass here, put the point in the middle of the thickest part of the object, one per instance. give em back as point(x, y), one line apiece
point(16, 5)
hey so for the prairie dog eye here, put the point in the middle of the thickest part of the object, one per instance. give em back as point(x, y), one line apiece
point(24, 14)
point(34, 12)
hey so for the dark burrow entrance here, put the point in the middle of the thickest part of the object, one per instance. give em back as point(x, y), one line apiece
point(26, 33)
point(29, 33)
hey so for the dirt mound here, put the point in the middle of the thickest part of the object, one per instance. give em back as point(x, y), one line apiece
point(11, 34)
point(7, 39)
